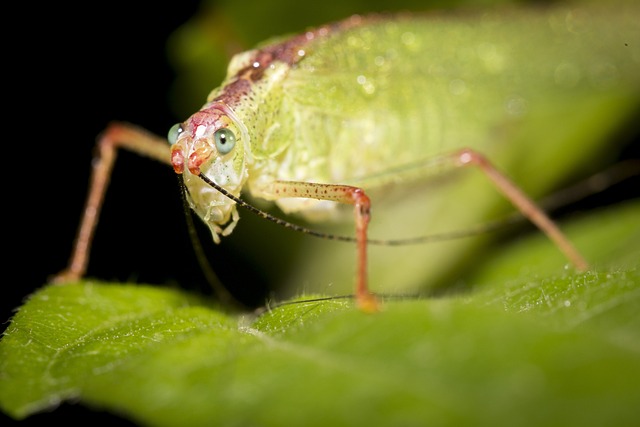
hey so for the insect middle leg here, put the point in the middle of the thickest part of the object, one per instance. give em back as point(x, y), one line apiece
point(346, 194)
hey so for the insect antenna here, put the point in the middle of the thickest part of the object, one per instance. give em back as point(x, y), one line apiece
point(272, 305)
point(481, 229)
point(592, 185)
point(211, 277)
point(268, 216)
point(568, 196)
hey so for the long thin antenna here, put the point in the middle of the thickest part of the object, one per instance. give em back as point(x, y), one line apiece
point(211, 277)
point(589, 186)
point(272, 218)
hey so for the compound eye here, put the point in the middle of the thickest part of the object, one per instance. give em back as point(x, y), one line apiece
point(174, 133)
point(225, 140)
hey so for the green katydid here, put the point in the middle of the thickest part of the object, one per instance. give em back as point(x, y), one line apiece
point(365, 109)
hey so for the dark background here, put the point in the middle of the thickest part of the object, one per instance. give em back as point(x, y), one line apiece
point(69, 71)
point(79, 70)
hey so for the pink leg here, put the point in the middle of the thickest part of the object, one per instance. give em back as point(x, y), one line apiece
point(348, 195)
point(117, 135)
point(520, 200)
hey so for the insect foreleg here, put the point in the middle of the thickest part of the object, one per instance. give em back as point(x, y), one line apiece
point(342, 194)
point(116, 135)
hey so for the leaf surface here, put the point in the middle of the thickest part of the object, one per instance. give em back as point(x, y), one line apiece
point(536, 348)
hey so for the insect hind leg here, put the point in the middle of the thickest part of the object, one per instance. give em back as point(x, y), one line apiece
point(528, 208)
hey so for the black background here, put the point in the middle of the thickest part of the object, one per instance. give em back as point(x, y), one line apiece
point(69, 70)
point(79, 70)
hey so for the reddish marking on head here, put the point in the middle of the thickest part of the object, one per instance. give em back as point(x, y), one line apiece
point(201, 151)
point(177, 159)
point(191, 144)
point(205, 117)
point(234, 91)
point(290, 51)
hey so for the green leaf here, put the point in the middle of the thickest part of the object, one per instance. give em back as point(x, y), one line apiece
point(534, 348)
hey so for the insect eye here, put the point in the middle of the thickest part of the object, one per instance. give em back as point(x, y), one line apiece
point(225, 140)
point(174, 133)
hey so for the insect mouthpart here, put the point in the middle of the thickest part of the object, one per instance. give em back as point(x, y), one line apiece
point(214, 208)
point(210, 152)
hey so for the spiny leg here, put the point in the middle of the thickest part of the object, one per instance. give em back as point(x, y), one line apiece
point(362, 207)
point(116, 135)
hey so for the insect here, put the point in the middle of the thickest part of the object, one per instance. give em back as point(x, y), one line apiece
point(356, 112)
